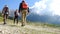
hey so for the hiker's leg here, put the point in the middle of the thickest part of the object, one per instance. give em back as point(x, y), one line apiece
point(17, 19)
point(25, 17)
point(14, 20)
point(4, 19)
point(24, 13)
point(22, 18)
point(6, 16)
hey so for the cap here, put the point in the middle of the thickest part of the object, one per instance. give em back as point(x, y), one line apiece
point(6, 6)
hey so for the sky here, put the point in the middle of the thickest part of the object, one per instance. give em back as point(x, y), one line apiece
point(14, 4)
point(40, 7)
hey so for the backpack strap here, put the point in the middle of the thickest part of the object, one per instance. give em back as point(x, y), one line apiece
point(28, 10)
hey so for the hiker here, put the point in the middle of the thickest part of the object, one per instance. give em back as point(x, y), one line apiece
point(5, 13)
point(16, 15)
point(24, 9)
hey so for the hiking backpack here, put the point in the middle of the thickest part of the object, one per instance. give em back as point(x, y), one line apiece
point(23, 6)
point(5, 10)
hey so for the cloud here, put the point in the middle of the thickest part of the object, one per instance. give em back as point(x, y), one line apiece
point(46, 7)
point(55, 7)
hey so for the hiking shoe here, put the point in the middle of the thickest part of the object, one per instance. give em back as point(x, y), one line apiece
point(22, 25)
point(4, 23)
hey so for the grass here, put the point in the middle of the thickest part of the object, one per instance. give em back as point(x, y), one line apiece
point(37, 24)
point(1, 19)
point(10, 21)
point(33, 24)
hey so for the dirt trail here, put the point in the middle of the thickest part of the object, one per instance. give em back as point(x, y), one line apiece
point(46, 29)
point(28, 29)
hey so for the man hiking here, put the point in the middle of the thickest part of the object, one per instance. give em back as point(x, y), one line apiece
point(5, 13)
point(24, 9)
point(16, 15)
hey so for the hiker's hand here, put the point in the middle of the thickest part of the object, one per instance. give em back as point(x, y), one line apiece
point(27, 12)
point(2, 14)
point(8, 15)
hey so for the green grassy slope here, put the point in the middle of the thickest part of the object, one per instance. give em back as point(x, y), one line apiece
point(1, 19)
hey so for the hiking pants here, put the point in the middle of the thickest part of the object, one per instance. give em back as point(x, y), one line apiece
point(24, 14)
point(16, 19)
point(5, 16)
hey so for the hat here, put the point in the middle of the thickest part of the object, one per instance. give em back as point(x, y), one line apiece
point(6, 6)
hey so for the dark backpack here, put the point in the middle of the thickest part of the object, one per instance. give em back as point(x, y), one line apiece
point(5, 10)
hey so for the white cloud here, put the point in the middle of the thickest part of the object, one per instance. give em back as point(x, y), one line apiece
point(49, 6)
point(55, 7)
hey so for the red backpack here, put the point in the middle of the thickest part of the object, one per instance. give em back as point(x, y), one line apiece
point(24, 6)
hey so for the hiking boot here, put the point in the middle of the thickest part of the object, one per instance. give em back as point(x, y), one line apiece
point(4, 23)
point(23, 25)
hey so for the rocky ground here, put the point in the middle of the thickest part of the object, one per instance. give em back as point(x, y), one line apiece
point(28, 29)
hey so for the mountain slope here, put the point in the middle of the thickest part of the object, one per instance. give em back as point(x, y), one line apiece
point(44, 18)
point(28, 29)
